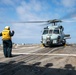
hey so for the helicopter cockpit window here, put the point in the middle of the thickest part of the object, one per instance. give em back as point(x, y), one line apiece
point(45, 32)
point(56, 31)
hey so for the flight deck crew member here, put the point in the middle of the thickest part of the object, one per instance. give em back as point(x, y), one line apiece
point(7, 41)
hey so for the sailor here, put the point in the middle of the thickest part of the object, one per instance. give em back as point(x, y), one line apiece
point(7, 41)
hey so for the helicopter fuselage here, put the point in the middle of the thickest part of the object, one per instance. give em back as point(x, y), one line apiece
point(53, 35)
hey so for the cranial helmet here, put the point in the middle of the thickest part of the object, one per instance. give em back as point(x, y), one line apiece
point(7, 27)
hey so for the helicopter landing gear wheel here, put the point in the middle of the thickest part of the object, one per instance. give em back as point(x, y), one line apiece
point(64, 42)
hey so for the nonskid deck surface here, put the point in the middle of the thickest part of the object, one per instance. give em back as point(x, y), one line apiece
point(37, 60)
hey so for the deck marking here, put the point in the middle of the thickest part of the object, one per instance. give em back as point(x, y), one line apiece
point(47, 54)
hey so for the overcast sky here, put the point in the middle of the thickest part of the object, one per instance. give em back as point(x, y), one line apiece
point(37, 10)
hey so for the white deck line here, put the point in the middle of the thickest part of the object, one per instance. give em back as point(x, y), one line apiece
point(47, 54)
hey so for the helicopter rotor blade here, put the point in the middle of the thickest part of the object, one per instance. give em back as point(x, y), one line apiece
point(48, 21)
point(25, 22)
point(54, 21)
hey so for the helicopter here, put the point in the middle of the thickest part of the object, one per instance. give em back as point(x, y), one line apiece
point(54, 34)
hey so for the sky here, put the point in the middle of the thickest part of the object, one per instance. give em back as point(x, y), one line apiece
point(37, 10)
